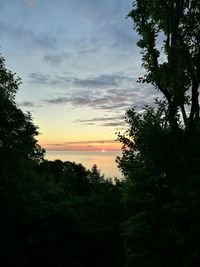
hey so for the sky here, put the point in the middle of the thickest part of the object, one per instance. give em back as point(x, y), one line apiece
point(79, 65)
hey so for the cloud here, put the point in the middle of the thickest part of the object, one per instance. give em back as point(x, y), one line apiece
point(113, 124)
point(99, 98)
point(53, 59)
point(109, 92)
point(118, 36)
point(59, 100)
point(94, 10)
point(27, 37)
point(30, 2)
point(93, 82)
point(100, 119)
point(101, 81)
point(79, 101)
point(103, 121)
point(87, 51)
point(39, 78)
point(27, 104)
point(56, 58)
point(74, 100)
point(30, 104)
point(114, 30)
point(91, 142)
point(92, 145)
point(111, 99)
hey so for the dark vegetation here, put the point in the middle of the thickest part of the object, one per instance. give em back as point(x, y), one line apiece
point(53, 213)
point(161, 161)
point(56, 213)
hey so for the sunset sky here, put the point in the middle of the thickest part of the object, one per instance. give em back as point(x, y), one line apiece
point(79, 65)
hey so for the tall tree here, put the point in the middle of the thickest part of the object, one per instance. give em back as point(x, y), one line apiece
point(17, 131)
point(19, 155)
point(170, 42)
point(161, 156)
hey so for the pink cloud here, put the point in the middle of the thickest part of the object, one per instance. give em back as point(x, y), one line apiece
point(107, 145)
point(29, 2)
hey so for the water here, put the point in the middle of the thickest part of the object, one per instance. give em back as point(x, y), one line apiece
point(105, 161)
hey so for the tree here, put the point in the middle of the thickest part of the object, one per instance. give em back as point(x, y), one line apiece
point(17, 131)
point(95, 175)
point(170, 42)
point(160, 192)
point(9, 83)
point(19, 155)
point(161, 148)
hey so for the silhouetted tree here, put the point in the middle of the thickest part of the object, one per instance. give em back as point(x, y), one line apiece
point(170, 33)
point(95, 175)
point(161, 149)
point(19, 153)
point(17, 132)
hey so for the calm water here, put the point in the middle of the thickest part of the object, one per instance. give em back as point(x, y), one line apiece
point(105, 161)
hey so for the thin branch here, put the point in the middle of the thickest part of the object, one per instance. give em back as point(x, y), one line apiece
point(184, 115)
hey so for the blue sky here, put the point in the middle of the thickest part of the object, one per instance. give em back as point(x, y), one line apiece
point(79, 64)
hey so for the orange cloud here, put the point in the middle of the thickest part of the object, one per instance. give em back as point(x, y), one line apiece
point(99, 145)
point(29, 2)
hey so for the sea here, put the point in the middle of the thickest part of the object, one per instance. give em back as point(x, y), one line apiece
point(105, 161)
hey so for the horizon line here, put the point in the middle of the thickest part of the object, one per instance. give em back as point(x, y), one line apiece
point(89, 150)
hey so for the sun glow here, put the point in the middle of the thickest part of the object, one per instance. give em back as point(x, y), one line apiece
point(103, 150)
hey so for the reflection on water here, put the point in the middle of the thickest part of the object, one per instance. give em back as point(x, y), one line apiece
point(105, 161)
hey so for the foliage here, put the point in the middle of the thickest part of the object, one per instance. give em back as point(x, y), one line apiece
point(9, 83)
point(161, 149)
point(53, 213)
point(55, 216)
point(169, 32)
point(17, 132)
point(160, 191)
